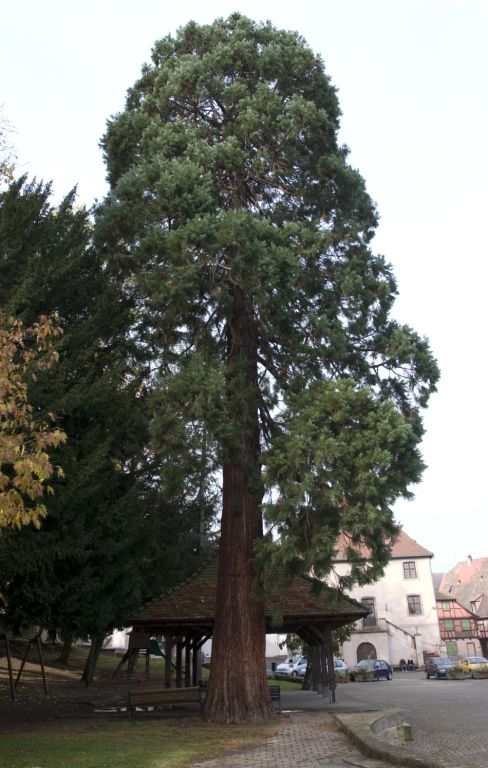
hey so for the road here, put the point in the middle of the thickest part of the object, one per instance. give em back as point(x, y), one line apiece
point(448, 717)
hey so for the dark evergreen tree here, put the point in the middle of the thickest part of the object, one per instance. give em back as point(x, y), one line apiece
point(109, 541)
point(246, 235)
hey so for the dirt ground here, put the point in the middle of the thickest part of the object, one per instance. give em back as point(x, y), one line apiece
point(67, 700)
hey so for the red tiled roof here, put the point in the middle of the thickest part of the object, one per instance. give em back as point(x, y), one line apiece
point(403, 546)
point(468, 582)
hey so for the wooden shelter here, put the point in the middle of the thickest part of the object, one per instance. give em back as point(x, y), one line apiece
point(307, 607)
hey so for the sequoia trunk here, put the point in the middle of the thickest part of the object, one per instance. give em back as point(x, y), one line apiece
point(237, 688)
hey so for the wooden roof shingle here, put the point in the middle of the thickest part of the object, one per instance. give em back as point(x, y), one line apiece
point(297, 601)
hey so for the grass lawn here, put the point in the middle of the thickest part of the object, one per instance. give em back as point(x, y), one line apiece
point(143, 743)
point(156, 744)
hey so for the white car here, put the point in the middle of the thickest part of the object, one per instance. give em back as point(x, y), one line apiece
point(294, 666)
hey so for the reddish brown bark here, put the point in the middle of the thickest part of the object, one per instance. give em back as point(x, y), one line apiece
point(238, 688)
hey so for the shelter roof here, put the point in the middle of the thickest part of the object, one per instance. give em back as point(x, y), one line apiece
point(289, 604)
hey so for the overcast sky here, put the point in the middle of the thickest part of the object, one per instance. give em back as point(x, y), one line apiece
point(412, 82)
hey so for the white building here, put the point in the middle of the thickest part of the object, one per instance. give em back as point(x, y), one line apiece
point(403, 621)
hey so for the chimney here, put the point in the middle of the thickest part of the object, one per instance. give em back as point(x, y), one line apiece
point(470, 560)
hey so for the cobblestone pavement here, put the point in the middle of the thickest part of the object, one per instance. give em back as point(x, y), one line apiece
point(448, 717)
point(310, 740)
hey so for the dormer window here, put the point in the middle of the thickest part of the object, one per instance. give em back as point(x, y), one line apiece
point(409, 570)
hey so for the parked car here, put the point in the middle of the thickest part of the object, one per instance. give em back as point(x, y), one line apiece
point(340, 665)
point(299, 669)
point(378, 667)
point(472, 663)
point(437, 667)
point(295, 666)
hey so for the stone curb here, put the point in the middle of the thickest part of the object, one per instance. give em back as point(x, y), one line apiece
point(361, 728)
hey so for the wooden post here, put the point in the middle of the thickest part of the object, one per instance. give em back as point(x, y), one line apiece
point(168, 647)
point(121, 663)
point(200, 644)
point(148, 661)
point(194, 668)
point(323, 669)
point(187, 661)
point(329, 655)
point(22, 664)
point(4, 637)
point(179, 665)
point(315, 667)
point(39, 649)
point(132, 660)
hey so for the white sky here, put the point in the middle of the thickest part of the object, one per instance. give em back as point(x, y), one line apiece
point(412, 82)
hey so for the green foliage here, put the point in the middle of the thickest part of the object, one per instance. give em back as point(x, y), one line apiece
point(363, 675)
point(245, 237)
point(342, 458)
point(457, 672)
point(109, 540)
point(231, 198)
point(295, 644)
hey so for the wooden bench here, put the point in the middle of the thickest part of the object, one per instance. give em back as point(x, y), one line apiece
point(161, 697)
point(275, 693)
point(165, 697)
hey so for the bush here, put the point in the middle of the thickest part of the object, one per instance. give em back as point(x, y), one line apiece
point(456, 672)
point(481, 671)
point(364, 675)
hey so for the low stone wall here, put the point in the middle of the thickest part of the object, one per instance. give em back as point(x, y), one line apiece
point(382, 734)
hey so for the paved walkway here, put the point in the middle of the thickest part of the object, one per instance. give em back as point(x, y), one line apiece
point(312, 737)
point(310, 740)
point(448, 717)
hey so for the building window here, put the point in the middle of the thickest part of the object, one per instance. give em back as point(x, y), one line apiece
point(445, 605)
point(448, 625)
point(409, 570)
point(414, 605)
point(451, 648)
point(369, 621)
point(465, 625)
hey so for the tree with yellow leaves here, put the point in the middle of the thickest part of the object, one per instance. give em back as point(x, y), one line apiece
point(25, 436)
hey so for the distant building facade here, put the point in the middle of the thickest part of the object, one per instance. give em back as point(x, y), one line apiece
point(403, 622)
point(458, 627)
point(467, 583)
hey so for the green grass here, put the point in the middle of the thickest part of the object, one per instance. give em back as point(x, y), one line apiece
point(286, 685)
point(157, 744)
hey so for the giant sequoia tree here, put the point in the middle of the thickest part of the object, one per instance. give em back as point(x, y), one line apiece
point(247, 237)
